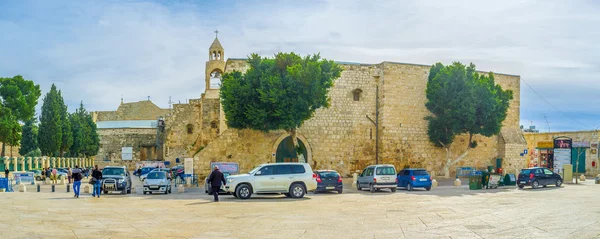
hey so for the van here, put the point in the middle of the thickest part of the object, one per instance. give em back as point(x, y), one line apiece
point(376, 177)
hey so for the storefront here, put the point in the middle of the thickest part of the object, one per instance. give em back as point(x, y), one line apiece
point(543, 155)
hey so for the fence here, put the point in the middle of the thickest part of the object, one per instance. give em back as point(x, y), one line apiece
point(27, 177)
point(6, 184)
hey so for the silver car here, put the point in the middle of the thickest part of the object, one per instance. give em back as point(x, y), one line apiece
point(376, 177)
point(157, 181)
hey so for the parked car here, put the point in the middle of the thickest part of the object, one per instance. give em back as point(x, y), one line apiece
point(166, 170)
point(144, 171)
point(329, 180)
point(291, 179)
point(538, 176)
point(37, 174)
point(377, 177)
point(208, 187)
point(157, 181)
point(116, 178)
point(411, 178)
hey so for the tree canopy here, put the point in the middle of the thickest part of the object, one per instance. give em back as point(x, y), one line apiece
point(29, 137)
point(18, 98)
point(462, 101)
point(277, 93)
point(50, 131)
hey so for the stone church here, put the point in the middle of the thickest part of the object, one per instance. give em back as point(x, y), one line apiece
point(341, 137)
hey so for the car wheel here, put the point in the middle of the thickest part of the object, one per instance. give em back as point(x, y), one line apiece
point(234, 195)
point(340, 191)
point(558, 183)
point(166, 191)
point(145, 193)
point(428, 188)
point(105, 192)
point(372, 188)
point(358, 187)
point(409, 187)
point(393, 190)
point(243, 192)
point(124, 192)
point(129, 191)
point(521, 186)
point(535, 184)
point(297, 190)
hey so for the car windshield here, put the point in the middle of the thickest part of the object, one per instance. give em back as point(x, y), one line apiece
point(157, 175)
point(420, 172)
point(225, 175)
point(385, 171)
point(113, 171)
point(147, 170)
point(329, 174)
point(254, 170)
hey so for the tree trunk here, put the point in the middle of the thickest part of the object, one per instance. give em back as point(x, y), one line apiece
point(3, 148)
point(450, 162)
point(293, 135)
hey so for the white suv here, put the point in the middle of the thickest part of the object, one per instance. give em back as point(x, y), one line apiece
point(291, 179)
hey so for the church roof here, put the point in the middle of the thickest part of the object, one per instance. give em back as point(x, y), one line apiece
point(216, 44)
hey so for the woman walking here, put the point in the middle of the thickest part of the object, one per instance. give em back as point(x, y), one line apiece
point(97, 181)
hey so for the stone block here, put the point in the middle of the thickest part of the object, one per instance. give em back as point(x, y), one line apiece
point(22, 188)
point(87, 188)
point(582, 178)
point(457, 182)
point(180, 188)
point(434, 183)
point(139, 190)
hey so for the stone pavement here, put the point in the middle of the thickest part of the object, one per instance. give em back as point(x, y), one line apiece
point(572, 211)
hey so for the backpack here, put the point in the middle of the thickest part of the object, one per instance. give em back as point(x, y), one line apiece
point(77, 176)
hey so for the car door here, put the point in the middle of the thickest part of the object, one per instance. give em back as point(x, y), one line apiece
point(540, 176)
point(264, 179)
point(283, 177)
point(400, 176)
point(361, 179)
point(549, 177)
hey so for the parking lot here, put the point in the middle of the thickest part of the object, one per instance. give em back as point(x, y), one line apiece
point(572, 211)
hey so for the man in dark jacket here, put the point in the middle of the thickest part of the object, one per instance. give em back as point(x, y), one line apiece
point(77, 176)
point(215, 179)
point(97, 175)
point(6, 172)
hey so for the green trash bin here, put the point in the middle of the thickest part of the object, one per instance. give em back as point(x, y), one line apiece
point(474, 182)
point(510, 180)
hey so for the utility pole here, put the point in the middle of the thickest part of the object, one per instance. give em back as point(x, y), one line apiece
point(376, 122)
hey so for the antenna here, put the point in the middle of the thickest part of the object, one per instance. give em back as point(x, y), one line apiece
point(547, 123)
point(170, 102)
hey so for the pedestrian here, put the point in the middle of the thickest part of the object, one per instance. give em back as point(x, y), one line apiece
point(97, 181)
point(54, 177)
point(6, 172)
point(48, 173)
point(87, 173)
point(215, 179)
point(77, 176)
point(69, 175)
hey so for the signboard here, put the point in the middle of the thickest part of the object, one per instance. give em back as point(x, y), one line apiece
point(525, 151)
point(232, 168)
point(581, 144)
point(188, 165)
point(561, 157)
point(126, 153)
point(154, 164)
point(24, 177)
point(562, 143)
point(545, 144)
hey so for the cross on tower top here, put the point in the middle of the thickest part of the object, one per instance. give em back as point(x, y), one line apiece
point(216, 33)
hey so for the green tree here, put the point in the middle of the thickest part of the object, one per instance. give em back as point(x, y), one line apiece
point(462, 101)
point(18, 98)
point(50, 131)
point(277, 93)
point(92, 143)
point(29, 137)
point(67, 134)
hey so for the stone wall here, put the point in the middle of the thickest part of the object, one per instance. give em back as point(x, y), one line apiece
point(112, 140)
point(591, 136)
point(142, 110)
point(183, 130)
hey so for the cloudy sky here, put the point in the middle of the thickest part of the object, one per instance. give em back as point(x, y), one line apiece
point(96, 51)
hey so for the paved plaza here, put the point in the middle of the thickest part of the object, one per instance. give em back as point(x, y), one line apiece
point(572, 211)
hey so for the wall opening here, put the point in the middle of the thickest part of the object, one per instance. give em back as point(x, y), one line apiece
point(190, 128)
point(357, 94)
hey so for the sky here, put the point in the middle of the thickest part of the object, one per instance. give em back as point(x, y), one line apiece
point(100, 51)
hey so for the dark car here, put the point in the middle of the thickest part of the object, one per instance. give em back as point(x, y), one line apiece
point(328, 180)
point(536, 177)
point(411, 178)
point(116, 178)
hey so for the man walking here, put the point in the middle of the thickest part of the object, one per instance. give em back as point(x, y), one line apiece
point(77, 176)
point(97, 177)
point(215, 179)
point(6, 172)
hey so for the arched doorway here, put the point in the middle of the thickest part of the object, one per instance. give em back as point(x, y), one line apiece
point(286, 152)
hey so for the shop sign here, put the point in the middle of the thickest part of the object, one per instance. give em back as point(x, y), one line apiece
point(545, 144)
point(581, 144)
point(594, 145)
point(561, 157)
point(562, 143)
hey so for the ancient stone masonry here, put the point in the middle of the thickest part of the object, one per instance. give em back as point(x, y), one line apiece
point(112, 140)
point(339, 137)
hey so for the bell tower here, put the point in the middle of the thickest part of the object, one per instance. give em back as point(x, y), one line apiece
point(215, 64)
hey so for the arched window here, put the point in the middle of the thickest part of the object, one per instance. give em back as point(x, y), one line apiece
point(190, 128)
point(215, 79)
point(219, 55)
point(213, 124)
point(356, 93)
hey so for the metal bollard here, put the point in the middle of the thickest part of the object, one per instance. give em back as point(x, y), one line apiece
point(38, 188)
point(53, 189)
point(68, 187)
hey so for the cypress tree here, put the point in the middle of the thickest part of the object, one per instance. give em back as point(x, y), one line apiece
point(29, 137)
point(50, 131)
